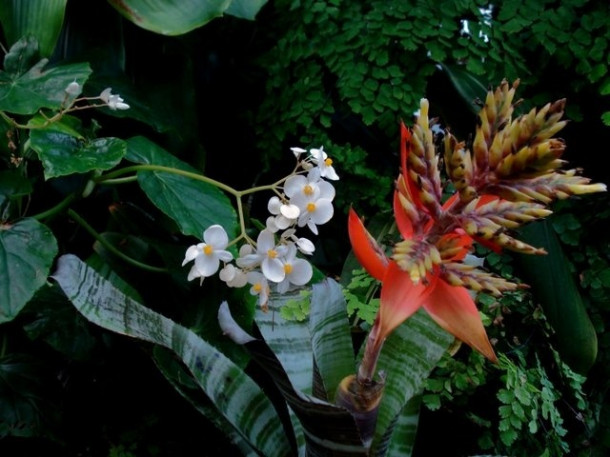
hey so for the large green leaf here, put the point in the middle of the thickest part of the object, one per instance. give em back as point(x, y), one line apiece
point(330, 334)
point(408, 356)
point(26, 87)
point(42, 19)
point(193, 204)
point(178, 376)
point(329, 430)
point(27, 250)
point(65, 154)
point(555, 288)
point(234, 394)
point(404, 430)
point(176, 17)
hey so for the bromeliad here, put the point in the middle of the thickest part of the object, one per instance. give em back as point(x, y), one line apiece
point(505, 178)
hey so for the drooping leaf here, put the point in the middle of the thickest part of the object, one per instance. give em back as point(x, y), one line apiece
point(27, 251)
point(329, 430)
point(65, 154)
point(408, 356)
point(178, 376)
point(330, 334)
point(25, 89)
point(233, 393)
point(193, 204)
point(176, 17)
point(25, 396)
point(42, 19)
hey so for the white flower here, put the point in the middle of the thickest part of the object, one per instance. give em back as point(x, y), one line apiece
point(285, 214)
point(73, 89)
point(298, 271)
point(114, 101)
point(207, 255)
point(314, 199)
point(267, 255)
point(234, 277)
point(299, 188)
point(297, 151)
point(303, 244)
point(260, 287)
point(325, 163)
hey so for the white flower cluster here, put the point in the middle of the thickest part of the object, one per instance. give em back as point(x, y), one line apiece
point(113, 101)
point(272, 261)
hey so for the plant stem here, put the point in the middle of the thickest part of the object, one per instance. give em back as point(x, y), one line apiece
point(112, 248)
point(56, 209)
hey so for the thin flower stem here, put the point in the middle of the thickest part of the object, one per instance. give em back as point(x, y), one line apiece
point(56, 209)
point(112, 248)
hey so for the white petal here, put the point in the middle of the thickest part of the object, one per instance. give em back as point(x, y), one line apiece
point(193, 273)
point(283, 286)
point(223, 255)
point(301, 272)
point(207, 265)
point(192, 252)
point(273, 270)
point(265, 241)
point(305, 246)
point(327, 190)
point(227, 273)
point(282, 222)
point(245, 249)
point(216, 236)
point(323, 213)
point(312, 227)
point(271, 225)
point(297, 151)
point(249, 260)
point(330, 173)
point(290, 211)
point(294, 185)
point(274, 204)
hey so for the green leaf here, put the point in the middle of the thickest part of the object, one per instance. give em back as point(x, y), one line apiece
point(555, 288)
point(235, 395)
point(245, 9)
point(408, 356)
point(329, 429)
point(13, 185)
point(179, 377)
point(64, 154)
point(193, 204)
point(52, 319)
point(405, 429)
point(27, 251)
point(24, 396)
point(467, 85)
point(330, 335)
point(177, 17)
point(24, 89)
point(42, 19)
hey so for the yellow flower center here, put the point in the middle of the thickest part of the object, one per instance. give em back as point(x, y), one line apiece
point(207, 249)
point(311, 207)
point(272, 253)
point(328, 162)
point(257, 287)
point(287, 268)
point(308, 190)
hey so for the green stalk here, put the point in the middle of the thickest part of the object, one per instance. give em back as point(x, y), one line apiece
point(111, 247)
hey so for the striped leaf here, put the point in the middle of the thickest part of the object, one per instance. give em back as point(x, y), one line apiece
point(236, 396)
point(42, 19)
point(408, 356)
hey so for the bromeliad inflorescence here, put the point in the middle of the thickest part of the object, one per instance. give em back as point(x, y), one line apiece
point(507, 177)
point(302, 199)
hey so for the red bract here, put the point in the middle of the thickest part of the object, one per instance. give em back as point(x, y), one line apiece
point(411, 277)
